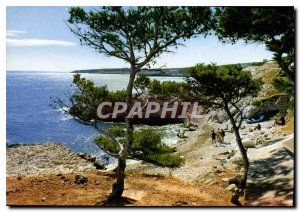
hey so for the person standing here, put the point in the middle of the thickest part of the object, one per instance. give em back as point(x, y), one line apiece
point(219, 136)
point(223, 135)
point(213, 138)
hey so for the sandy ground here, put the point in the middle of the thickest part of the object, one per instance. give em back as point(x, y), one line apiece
point(140, 190)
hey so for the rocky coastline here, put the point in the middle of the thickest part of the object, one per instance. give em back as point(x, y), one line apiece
point(47, 158)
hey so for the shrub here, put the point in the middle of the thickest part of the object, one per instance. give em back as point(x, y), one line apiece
point(116, 131)
point(147, 146)
point(166, 159)
point(147, 140)
point(283, 84)
point(154, 87)
point(257, 63)
point(141, 83)
point(154, 151)
point(117, 96)
point(106, 143)
point(167, 149)
point(256, 102)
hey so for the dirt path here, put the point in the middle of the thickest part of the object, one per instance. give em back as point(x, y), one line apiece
point(271, 175)
point(146, 191)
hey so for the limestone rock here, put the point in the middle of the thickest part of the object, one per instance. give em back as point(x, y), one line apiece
point(81, 179)
point(237, 159)
point(232, 187)
point(249, 144)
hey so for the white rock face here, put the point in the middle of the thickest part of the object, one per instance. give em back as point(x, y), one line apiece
point(259, 137)
point(232, 187)
point(237, 159)
point(44, 159)
point(249, 144)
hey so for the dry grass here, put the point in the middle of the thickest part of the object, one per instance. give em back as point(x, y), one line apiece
point(289, 126)
point(268, 75)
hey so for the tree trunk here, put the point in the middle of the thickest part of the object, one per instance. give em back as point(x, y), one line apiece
point(118, 187)
point(241, 147)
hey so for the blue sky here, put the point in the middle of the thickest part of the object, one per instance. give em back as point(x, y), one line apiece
point(39, 40)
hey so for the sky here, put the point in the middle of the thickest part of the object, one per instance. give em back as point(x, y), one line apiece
point(38, 39)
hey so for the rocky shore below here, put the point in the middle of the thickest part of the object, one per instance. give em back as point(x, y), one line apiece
point(208, 172)
point(47, 158)
point(209, 165)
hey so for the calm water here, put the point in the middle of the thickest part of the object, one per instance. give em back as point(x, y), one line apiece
point(30, 119)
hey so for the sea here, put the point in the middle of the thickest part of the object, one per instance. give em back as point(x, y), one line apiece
point(30, 118)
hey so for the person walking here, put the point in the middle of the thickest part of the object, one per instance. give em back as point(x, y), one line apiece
point(213, 138)
point(223, 135)
point(219, 136)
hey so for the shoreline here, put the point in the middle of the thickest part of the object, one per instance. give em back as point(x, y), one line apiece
point(46, 158)
point(48, 170)
point(199, 154)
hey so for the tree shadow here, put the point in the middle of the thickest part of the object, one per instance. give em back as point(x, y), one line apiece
point(271, 175)
point(122, 201)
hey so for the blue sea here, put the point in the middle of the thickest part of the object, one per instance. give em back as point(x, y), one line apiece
point(30, 119)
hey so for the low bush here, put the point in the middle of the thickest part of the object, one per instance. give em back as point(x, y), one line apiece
point(166, 160)
point(106, 143)
point(147, 146)
point(256, 102)
point(147, 140)
point(116, 131)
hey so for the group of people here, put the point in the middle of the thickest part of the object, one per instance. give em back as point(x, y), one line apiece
point(217, 137)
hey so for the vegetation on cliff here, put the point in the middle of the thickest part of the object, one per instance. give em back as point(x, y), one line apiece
point(147, 145)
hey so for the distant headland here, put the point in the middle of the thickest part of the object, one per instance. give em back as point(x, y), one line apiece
point(172, 72)
point(177, 72)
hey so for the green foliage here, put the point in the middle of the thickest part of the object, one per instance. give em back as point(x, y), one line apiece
point(117, 96)
point(106, 143)
point(138, 35)
point(165, 89)
point(257, 63)
point(174, 89)
point(283, 84)
point(166, 160)
point(116, 131)
point(273, 26)
point(256, 102)
point(148, 141)
point(155, 87)
point(219, 87)
point(147, 145)
point(141, 83)
point(86, 98)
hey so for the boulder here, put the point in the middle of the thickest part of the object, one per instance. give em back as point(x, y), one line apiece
point(180, 203)
point(220, 169)
point(232, 187)
point(99, 165)
point(235, 180)
point(93, 159)
point(81, 179)
point(225, 182)
point(251, 111)
point(237, 159)
point(249, 144)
